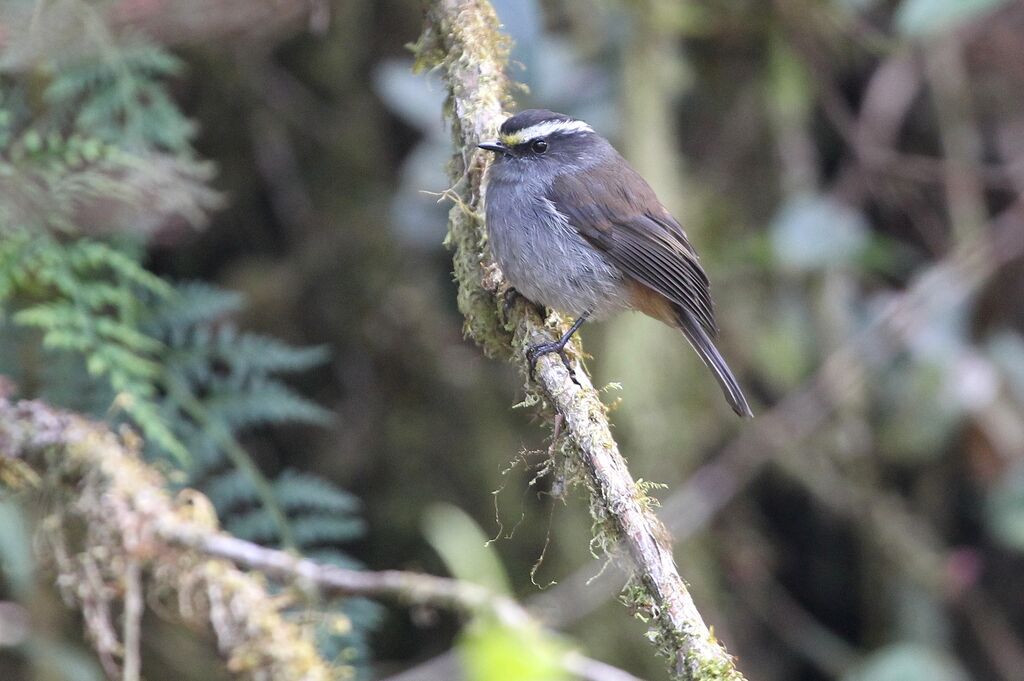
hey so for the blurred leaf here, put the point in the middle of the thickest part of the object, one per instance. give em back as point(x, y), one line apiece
point(493, 652)
point(888, 257)
point(789, 86)
point(815, 232)
point(857, 5)
point(416, 97)
point(551, 67)
point(923, 17)
point(416, 216)
point(463, 546)
point(915, 423)
point(917, 614)
point(938, 328)
point(1006, 350)
point(16, 564)
point(58, 660)
point(908, 662)
point(786, 351)
point(1004, 510)
point(521, 19)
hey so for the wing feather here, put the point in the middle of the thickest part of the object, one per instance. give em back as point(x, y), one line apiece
point(619, 213)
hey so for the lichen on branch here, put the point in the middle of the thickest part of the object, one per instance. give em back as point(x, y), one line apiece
point(463, 40)
point(109, 524)
point(115, 535)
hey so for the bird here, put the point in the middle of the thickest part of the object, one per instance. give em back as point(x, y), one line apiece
point(575, 228)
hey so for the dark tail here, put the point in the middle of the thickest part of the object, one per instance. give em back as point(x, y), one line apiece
point(705, 347)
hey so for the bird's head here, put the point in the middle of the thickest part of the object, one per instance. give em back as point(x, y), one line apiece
point(539, 138)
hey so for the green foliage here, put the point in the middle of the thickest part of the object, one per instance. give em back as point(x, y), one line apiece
point(321, 517)
point(122, 98)
point(95, 157)
point(489, 649)
point(217, 380)
point(184, 380)
point(188, 381)
point(464, 547)
point(498, 653)
point(319, 513)
point(83, 297)
point(105, 150)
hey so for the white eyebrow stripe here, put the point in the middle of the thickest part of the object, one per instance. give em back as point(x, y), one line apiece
point(544, 129)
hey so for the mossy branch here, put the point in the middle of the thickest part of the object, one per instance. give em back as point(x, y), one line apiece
point(462, 39)
point(111, 530)
point(116, 535)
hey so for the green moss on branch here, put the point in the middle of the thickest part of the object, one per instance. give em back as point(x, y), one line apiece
point(463, 40)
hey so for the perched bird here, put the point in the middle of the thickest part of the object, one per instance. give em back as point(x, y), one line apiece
point(575, 228)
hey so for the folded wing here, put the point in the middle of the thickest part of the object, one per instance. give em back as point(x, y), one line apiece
point(613, 211)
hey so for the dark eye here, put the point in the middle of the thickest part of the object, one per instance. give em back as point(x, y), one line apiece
point(539, 146)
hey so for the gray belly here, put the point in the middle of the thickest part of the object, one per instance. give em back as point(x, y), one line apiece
point(546, 260)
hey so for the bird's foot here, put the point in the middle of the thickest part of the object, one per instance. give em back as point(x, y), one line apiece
point(535, 352)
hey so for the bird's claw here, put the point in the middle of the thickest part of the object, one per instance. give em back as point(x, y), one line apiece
point(535, 352)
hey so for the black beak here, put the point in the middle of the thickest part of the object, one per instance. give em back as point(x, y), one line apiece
point(493, 145)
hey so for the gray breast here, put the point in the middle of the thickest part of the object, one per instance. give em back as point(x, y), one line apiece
point(542, 255)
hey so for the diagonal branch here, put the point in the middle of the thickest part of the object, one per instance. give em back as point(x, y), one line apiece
point(462, 39)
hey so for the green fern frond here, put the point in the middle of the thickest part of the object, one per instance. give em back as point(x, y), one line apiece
point(230, 492)
point(97, 255)
point(255, 525)
point(261, 402)
point(89, 295)
point(195, 303)
point(266, 354)
point(148, 417)
point(120, 97)
point(319, 529)
point(319, 513)
point(305, 492)
point(310, 529)
point(106, 152)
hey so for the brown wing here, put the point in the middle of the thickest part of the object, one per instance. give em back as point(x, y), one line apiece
point(619, 213)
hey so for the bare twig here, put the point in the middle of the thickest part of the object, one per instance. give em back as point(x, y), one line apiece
point(409, 588)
